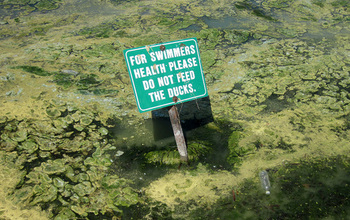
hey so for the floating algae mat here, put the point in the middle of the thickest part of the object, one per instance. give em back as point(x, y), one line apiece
point(74, 146)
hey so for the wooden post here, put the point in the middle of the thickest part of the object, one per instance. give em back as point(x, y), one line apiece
point(179, 135)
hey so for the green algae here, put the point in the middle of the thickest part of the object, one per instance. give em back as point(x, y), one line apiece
point(84, 83)
point(292, 61)
point(10, 178)
point(35, 70)
point(286, 83)
point(294, 187)
point(26, 7)
point(246, 5)
point(197, 186)
point(170, 156)
point(340, 3)
point(237, 150)
point(64, 79)
point(306, 181)
point(69, 174)
point(108, 29)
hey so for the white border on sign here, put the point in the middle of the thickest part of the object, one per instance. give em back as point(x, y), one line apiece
point(169, 103)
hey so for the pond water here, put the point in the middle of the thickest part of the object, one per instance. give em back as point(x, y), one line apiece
point(74, 146)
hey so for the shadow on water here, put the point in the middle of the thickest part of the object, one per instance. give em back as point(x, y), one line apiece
point(157, 130)
point(193, 114)
point(206, 141)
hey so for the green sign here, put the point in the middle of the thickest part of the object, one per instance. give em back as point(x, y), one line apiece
point(161, 71)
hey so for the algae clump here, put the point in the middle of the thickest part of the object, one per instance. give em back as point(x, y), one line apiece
point(63, 172)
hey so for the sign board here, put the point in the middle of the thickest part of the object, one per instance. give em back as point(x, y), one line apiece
point(161, 71)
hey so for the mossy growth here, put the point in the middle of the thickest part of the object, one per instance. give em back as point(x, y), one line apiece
point(255, 10)
point(171, 156)
point(243, 5)
point(63, 79)
point(209, 38)
point(313, 188)
point(147, 40)
point(187, 190)
point(47, 5)
point(178, 22)
point(108, 29)
point(98, 91)
point(236, 151)
point(86, 84)
point(35, 70)
point(277, 4)
point(262, 14)
point(319, 3)
point(236, 37)
point(103, 30)
point(87, 81)
point(340, 3)
point(32, 5)
point(65, 163)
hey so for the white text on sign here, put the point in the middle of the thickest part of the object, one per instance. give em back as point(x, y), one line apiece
point(161, 71)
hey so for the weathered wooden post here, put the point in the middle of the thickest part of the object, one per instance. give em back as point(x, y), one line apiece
point(178, 133)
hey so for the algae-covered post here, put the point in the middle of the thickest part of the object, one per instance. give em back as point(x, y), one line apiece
point(164, 74)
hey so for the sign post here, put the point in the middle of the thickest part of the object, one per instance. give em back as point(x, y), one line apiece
point(178, 134)
point(165, 74)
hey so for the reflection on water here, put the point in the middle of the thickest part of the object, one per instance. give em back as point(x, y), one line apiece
point(72, 139)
